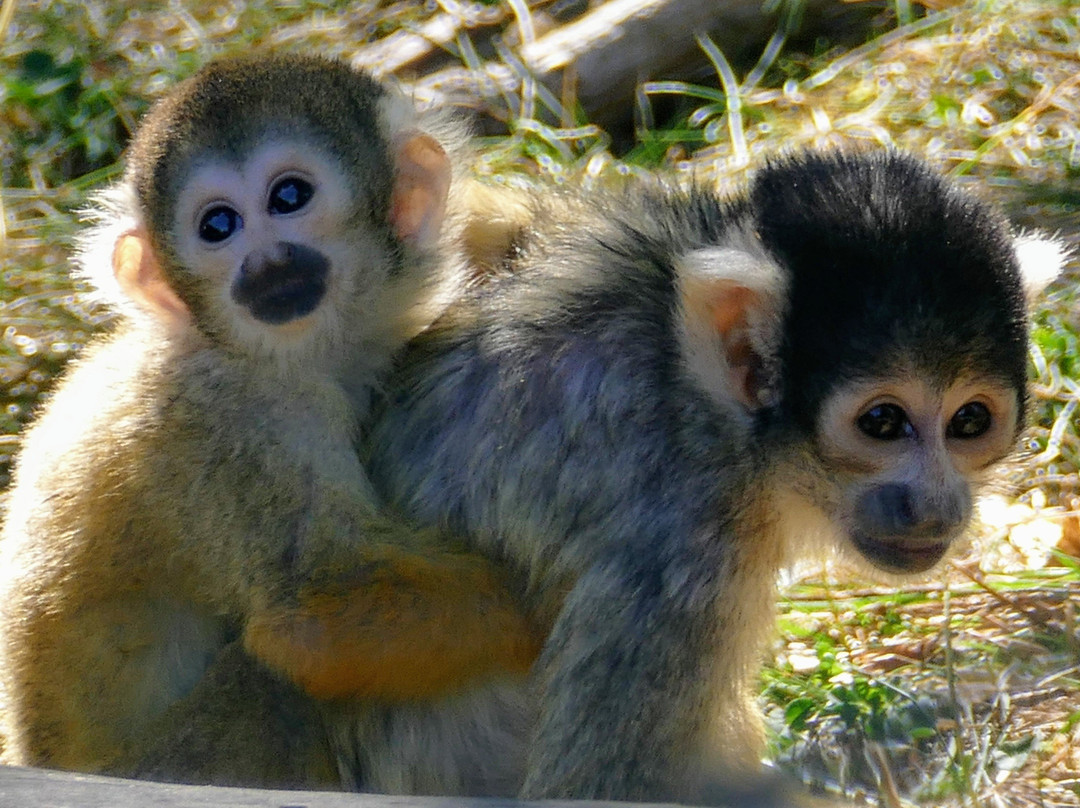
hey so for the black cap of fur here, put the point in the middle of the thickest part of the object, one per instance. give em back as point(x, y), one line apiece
point(887, 259)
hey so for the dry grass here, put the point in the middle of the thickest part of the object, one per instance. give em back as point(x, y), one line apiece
point(962, 692)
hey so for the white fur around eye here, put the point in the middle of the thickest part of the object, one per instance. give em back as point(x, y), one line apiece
point(929, 411)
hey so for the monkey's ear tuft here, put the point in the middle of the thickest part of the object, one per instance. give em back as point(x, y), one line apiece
point(731, 305)
point(1041, 259)
point(421, 185)
point(141, 278)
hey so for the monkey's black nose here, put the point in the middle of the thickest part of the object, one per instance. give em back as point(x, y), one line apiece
point(282, 284)
point(896, 509)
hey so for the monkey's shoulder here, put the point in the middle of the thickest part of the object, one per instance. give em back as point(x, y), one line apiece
point(136, 401)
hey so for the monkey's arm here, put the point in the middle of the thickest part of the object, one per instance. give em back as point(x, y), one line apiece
point(408, 623)
point(336, 595)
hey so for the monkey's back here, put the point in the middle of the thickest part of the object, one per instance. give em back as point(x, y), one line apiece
point(528, 412)
point(552, 420)
point(78, 535)
point(69, 466)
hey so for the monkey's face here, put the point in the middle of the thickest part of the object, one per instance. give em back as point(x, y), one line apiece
point(265, 242)
point(905, 454)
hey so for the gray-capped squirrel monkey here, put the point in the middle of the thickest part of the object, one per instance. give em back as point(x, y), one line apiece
point(280, 231)
point(672, 394)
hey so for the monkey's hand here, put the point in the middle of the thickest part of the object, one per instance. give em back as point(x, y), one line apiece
point(407, 626)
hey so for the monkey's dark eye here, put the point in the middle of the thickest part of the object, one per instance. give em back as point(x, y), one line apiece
point(970, 421)
point(289, 195)
point(217, 224)
point(885, 422)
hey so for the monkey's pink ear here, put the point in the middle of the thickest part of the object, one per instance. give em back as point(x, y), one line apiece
point(421, 185)
point(141, 278)
point(731, 307)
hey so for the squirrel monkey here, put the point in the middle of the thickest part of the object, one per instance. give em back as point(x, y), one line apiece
point(672, 394)
point(280, 231)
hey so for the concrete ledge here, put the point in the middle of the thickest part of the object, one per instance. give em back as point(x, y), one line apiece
point(41, 788)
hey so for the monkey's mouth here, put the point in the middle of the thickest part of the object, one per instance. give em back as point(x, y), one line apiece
point(901, 553)
point(284, 288)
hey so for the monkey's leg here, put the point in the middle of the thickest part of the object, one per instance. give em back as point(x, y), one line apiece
point(242, 725)
point(473, 743)
point(406, 626)
point(86, 682)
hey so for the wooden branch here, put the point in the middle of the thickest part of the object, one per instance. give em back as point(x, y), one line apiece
point(405, 48)
point(401, 48)
point(606, 52)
